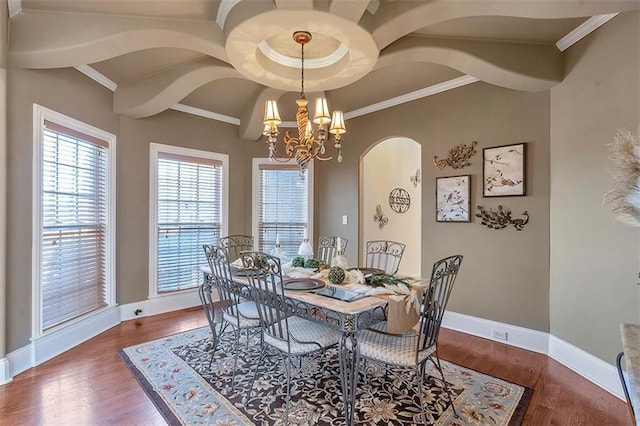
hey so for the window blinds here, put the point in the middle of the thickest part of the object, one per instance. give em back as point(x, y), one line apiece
point(189, 209)
point(282, 207)
point(74, 224)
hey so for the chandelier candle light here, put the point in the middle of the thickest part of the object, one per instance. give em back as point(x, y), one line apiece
point(309, 144)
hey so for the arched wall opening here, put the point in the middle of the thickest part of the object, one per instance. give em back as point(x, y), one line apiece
point(386, 166)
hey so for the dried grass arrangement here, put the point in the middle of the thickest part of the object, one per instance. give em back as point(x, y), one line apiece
point(624, 197)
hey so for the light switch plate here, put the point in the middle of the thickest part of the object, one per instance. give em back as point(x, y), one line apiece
point(345, 220)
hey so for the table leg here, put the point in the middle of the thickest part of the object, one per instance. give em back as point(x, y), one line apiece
point(349, 358)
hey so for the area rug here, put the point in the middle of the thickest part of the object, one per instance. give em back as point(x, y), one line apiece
point(174, 372)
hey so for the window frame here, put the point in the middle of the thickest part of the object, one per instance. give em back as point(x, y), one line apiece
point(40, 114)
point(155, 149)
point(255, 171)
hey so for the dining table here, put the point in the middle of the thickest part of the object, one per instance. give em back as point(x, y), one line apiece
point(348, 317)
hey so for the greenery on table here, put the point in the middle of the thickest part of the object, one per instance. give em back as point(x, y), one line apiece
point(381, 279)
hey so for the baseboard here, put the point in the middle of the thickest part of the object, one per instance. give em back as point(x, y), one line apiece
point(525, 338)
point(60, 340)
point(588, 366)
point(5, 374)
point(160, 305)
point(20, 361)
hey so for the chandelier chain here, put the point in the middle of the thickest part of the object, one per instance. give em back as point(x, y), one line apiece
point(302, 71)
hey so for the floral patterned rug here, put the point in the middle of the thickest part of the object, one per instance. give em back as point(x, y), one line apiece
point(174, 372)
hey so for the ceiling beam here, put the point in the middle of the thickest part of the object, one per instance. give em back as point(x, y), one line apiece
point(519, 66)
point(349, 9)
point(394, 20)
point(156, 93)
point(43, 40)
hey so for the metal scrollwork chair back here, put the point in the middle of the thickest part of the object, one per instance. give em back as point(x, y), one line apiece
point(241, 315)
point(385, 255)
point(328, 247)
point(414, 349)
point(235, 244)
point(289, 335)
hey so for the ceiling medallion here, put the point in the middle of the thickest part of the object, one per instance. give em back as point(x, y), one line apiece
point(309, 143)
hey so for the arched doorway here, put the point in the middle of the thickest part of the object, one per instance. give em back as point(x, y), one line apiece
point(385, 167)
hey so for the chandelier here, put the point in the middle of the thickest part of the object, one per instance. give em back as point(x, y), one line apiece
point(308, 143)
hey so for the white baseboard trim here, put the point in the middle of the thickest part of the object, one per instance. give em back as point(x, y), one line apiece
point(160, 305)
point(54, 343)
point(525, 338)
point(5, 374)
point(588, 366)
point(20, 360)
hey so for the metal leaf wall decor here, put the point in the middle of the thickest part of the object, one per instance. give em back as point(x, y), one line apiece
point(380, 218)
point(501, 218)
point(458, 156)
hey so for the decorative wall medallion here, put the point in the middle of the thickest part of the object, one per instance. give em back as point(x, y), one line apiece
point(380, 218)
point(399, 200)
point(458, 156)
point(501, 218)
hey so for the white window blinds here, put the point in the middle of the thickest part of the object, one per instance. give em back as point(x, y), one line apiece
point(189, 214)
point(282, 207)
point(74, 224)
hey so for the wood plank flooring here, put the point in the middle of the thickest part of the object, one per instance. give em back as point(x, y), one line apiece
point(90, 385)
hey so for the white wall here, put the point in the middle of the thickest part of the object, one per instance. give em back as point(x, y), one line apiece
point(386, 166)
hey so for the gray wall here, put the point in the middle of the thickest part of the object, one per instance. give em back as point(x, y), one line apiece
point(171, 128)
point(65, 91)
point(69, 92)
point(505, 274)
point(594, 258)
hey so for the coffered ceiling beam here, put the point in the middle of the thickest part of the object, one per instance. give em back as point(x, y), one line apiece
point(527, 67)
point(349, 9)
point(43, 40)
point(156, 93)
point(394, 20)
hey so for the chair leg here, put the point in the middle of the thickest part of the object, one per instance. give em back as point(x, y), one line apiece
point(287, 368)
point(235, 357)
point(446, 385)
point(420, 374)
point(255, 372)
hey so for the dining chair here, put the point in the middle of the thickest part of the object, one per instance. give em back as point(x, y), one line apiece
point(624, 380)
point(328, 247)
point(288, 335)
point(385, 255)
point(240, 315)
point(234, 244)
point(412, 350)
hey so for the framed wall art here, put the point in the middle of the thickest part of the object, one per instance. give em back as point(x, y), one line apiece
point(453, 199)
point(503, 171)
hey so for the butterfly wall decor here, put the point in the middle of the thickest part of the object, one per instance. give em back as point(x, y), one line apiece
point(380, 218)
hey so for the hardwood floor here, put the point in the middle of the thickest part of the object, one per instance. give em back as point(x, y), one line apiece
point(90, 385)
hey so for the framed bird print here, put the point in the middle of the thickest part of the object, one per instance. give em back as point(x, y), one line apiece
point(503, 171)
point(453, 199)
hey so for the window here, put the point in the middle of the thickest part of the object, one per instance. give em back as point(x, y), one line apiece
point(282, 205)
point(74, 223)
point(189, 210)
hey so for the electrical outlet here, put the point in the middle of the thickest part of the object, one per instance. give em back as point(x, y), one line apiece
point(345, 220)
point(499, 334)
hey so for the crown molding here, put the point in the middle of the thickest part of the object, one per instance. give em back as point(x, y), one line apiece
point(15, 7)
point(206, 114)
point(412, 96)
point(583, 30)
point(97, 76)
